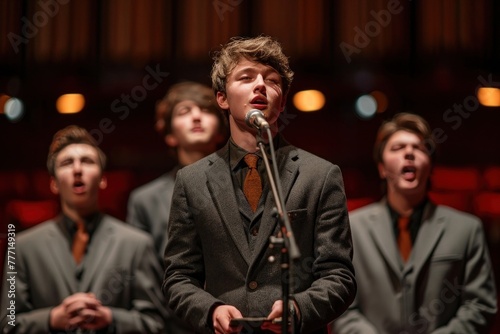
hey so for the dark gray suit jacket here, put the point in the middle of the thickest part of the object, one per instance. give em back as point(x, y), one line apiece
point(208, 258)
point(446, 286)
point(149, 208)
point(120, 269)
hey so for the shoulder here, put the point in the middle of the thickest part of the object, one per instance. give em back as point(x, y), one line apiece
point(459, 219)
point(308, 160)
point(37, 232)
point(196, 170)
point(367, 213)
point(153, 187)
point(126, 232)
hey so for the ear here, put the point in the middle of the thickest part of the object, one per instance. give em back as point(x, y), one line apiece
point(171, 140)
point(222, 100)
point(53, 186)
point(283, 104)
point(103, 184)
point(381, 171)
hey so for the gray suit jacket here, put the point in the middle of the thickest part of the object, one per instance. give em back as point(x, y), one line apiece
point(208, 257)
point(120, 268)
point(149, 208)
point(446, 286)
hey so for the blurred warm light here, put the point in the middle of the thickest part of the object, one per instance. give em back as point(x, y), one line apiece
point(309, 100)
point(70, 103)
point(366, 106)
point(489, 96)
point(3, 99)
point(381, 99)
point(14, 109)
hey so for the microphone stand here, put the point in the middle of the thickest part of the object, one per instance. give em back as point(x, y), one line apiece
point(289, 250)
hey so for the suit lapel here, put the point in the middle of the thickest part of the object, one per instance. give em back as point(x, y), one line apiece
point(98, 254)
point(430, 233)
point(382, 232)
point(58, 246)
point(220, 186)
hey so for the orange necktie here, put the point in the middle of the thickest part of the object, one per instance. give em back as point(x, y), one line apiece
point(252, 186)
point(80, 241)
point(404, 237)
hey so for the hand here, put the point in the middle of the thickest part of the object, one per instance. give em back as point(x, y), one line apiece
point(99, 318)
point(78, 311)
point(221, 317)
point(277, 312)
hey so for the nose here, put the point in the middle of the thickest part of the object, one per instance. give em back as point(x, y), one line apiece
point(260, 84)
point(196, 113)
point(77, 167)
point(409, 152)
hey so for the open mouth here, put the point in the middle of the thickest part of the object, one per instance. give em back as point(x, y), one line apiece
point(409, 172)
point(259, 102)
point(79, 187)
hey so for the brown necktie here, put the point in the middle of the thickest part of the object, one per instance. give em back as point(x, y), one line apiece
point(404, 238)
point(80, 241)
point(252, 186)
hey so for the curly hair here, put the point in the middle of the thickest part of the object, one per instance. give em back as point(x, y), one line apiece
point(262, 49)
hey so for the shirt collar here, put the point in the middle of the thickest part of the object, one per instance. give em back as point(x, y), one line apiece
point(91, 223)
point(236, 153)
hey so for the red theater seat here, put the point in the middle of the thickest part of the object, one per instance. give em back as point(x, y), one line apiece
point(491, 177)
point(356, 203)
point(13, 184)
point(455, 179)
point(487, 205)
point(26, 214)
point(460, 200)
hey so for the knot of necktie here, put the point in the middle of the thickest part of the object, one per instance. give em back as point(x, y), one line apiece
point(80, 241)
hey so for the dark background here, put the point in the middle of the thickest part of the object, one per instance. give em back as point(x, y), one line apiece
point(428, 57)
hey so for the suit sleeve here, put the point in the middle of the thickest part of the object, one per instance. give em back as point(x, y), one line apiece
point(334, 286)
point(147, 311)
point(184, 274)
point(18, 314)
point(479, 304)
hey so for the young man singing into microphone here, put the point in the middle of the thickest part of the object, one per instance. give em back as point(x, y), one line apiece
point(217, 266)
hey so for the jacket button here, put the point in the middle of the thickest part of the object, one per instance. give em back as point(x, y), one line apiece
point(252, 285)
point(255, 231)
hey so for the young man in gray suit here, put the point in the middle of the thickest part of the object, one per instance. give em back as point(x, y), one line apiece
point(192, 125)
point(217, 256)
point(84, 271)
point(420, 267)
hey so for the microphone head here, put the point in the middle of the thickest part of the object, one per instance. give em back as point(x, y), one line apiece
point(251, 116)
point(256, 119)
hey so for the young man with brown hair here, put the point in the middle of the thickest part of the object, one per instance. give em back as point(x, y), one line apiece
point(83, 271)
point(217, 257)
point(420, 267)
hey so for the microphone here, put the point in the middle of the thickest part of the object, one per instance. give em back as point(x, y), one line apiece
point(255, 118)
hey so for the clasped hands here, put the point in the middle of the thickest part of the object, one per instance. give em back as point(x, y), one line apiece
point(80, 310)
